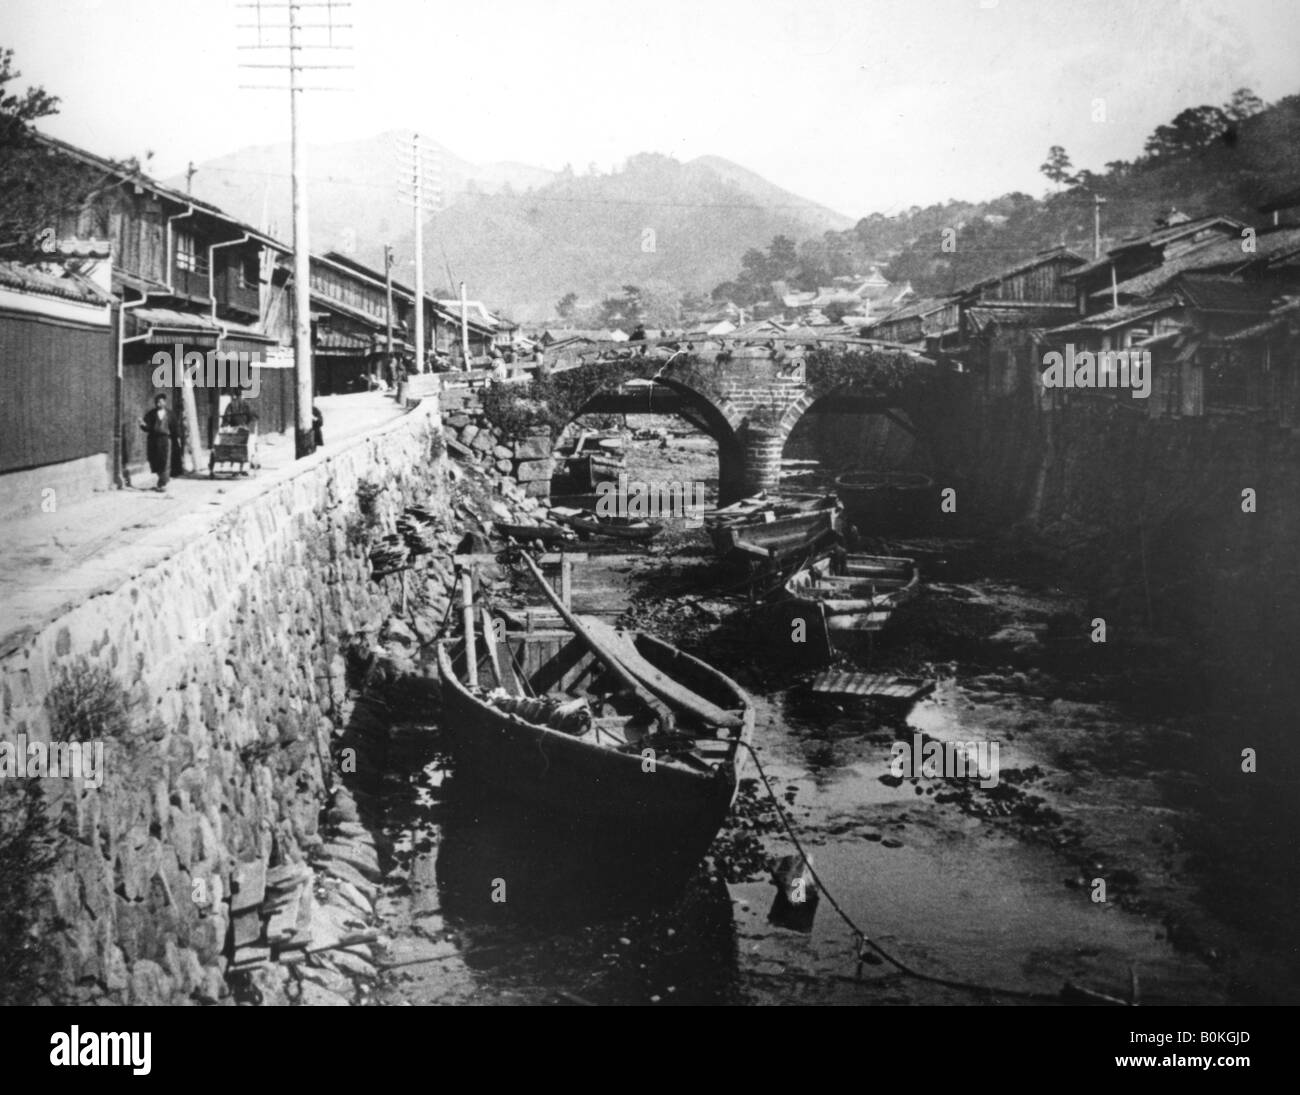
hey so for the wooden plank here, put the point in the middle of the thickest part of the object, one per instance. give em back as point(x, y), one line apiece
point(547, 558)
point(247, 927)
point(248, 885)
point(655, 679)
point(879, 685)
point(284, 921)
point(490, 645)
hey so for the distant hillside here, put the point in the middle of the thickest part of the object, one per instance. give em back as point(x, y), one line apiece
point(522, 237)
point(1229, 166)
point(656, 222)
point(1225, 160)
point(352, 189)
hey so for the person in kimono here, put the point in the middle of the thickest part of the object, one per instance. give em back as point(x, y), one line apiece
point(162, 440)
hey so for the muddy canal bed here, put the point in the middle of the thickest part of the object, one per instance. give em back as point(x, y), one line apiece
point(1107, 854)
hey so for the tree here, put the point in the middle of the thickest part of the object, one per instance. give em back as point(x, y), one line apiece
point(1087, 180)
point(39, 186)
point(1057, 166)
point(1193, 129)
point(661, 304)
point(622, 311)
point(835, 311)
point(567, 306)
point(1243, 104)
point(782, 258)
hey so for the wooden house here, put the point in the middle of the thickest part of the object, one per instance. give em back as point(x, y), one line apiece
point(998, 315)
point(57, 384)
point(186, 278)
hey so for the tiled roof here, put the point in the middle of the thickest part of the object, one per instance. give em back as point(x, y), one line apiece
point(922, 307)
point(1117, 317)
point(1020, 267)
point(39, 280)
point(982, 318)
point(1220, 254)
point(1282, 316)
point(1154, 239)
point(1215, 293)
point(142, 180)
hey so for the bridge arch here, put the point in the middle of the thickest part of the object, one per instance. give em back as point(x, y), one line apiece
point(707, 409)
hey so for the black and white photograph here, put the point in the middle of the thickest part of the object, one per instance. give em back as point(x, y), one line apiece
point(651, 503)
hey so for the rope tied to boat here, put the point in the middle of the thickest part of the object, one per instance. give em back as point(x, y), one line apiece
point(867, 947)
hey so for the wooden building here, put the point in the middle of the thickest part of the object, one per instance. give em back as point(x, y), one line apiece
point(57, 385)
point(998, 315)
point(188, 279)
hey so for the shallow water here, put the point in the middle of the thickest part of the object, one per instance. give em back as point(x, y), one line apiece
point(920, 866)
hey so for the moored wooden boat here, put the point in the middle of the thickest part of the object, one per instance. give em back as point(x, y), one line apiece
point(529, 534)
point(775, 528)
point(889, 499)
point(588, 523)
point(870, 482)
point(593, 459)
point(650, 748)
point(854, 593)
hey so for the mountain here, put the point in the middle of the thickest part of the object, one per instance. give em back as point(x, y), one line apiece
point(352, 189)
point(522, 237)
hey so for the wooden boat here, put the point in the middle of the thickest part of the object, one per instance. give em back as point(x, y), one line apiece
point(616, 728)
point(593, 459)
point(529, 534)
point(887, 498)
point(776, 527)
point(588, 523)
point(854, 593)
point(869, 482)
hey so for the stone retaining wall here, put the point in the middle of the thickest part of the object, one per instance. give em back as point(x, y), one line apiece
point(231, 651)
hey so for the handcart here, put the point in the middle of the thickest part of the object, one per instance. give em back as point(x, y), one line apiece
point(236, 447)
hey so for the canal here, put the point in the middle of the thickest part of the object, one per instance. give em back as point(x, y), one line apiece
point(1107, 855)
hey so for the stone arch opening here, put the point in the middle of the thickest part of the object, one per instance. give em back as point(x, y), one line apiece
point(685, 406)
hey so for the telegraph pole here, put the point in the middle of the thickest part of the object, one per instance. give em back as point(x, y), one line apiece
point(464, 326)
point(282, 17)
point(415, 162)
point(388, 295)
point(1097, 202)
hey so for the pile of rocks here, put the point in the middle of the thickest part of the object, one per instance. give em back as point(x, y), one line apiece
point(471, 438)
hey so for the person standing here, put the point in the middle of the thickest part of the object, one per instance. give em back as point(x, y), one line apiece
point(162, 436)
point(239, 412)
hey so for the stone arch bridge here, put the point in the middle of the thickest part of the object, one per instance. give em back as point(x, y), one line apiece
point(749, 398)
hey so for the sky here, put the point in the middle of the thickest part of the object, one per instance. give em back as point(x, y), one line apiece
point(862, 105)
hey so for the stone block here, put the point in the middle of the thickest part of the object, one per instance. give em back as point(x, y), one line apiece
point(533, 470)
point(533, 448)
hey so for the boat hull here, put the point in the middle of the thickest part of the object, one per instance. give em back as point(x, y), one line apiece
point(897, 502)
point(620, 794)
point(782, 538)
point(857, 601)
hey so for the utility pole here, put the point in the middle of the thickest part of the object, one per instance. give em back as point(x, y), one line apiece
point(464, 326)
point(190, 172)
point(1097, 202)
point(415, 162)
point(281, 17)
point(388, 299)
